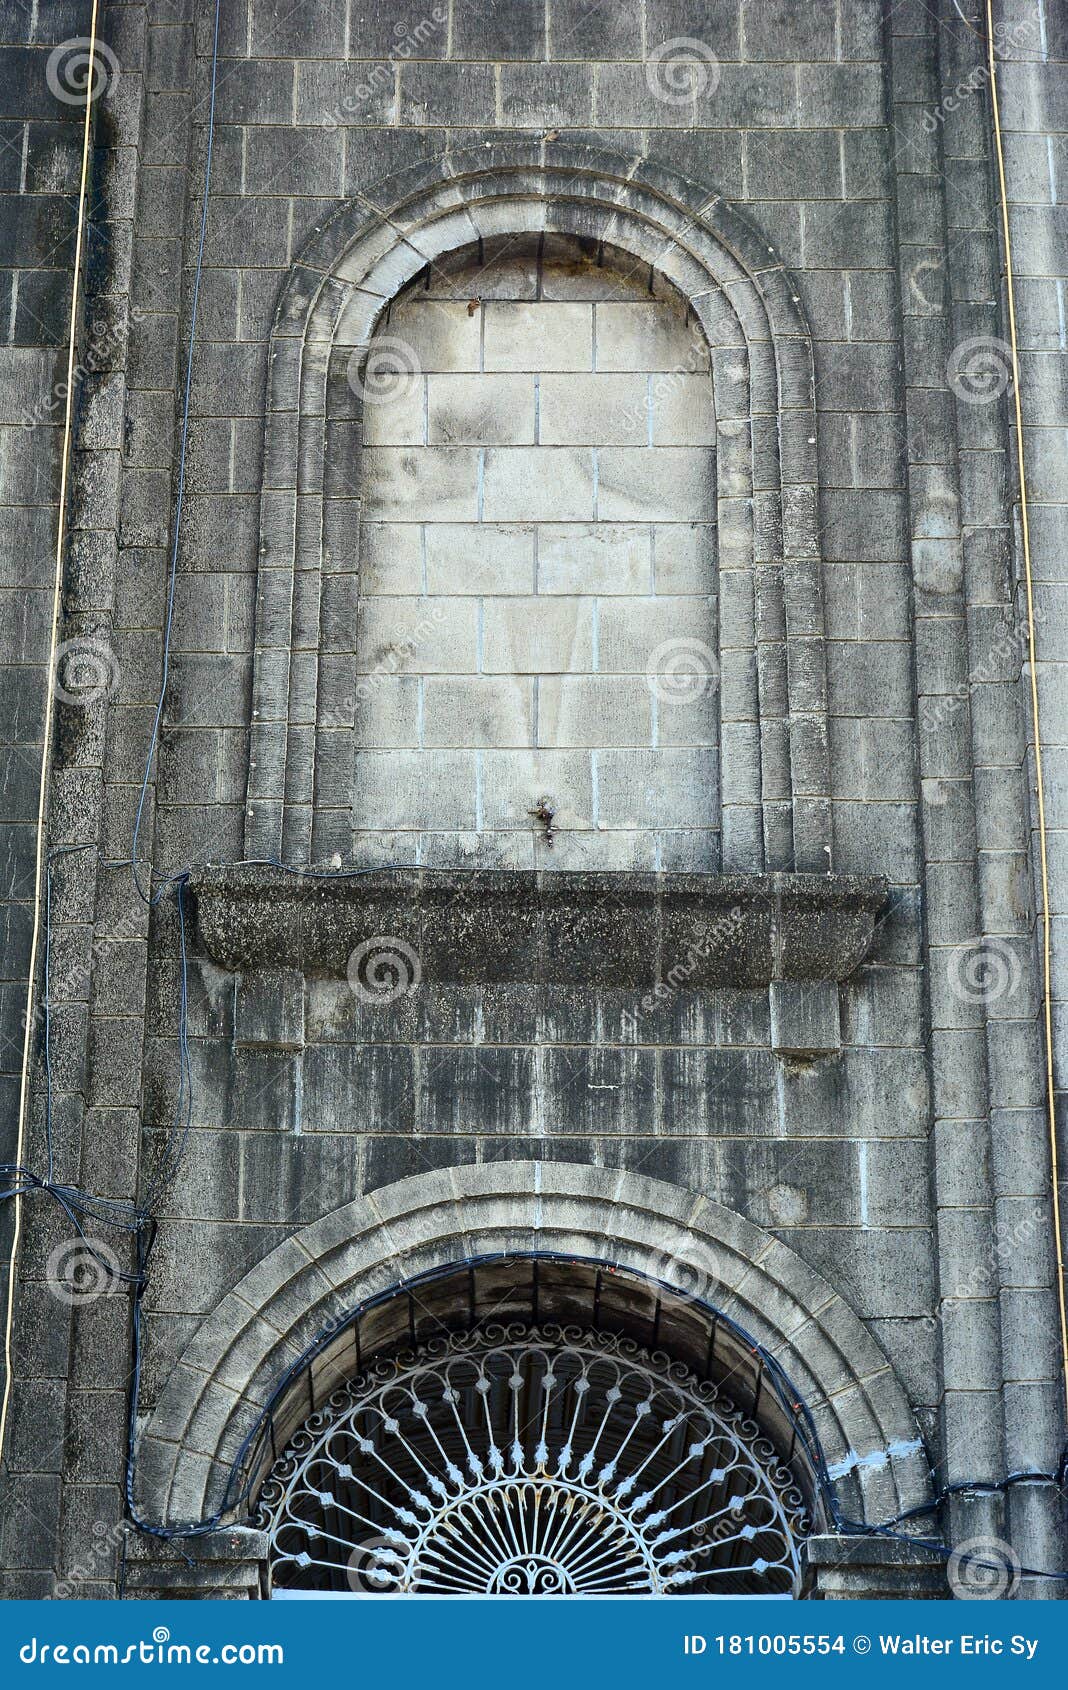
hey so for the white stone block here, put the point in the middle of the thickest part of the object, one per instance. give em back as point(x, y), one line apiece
point(388, 711)
point(477, 850)
point(480, 410)
point(689, 851)
point(594, 710)
point(442, 334)
point(420, 483)
point(538, 336)
point(417, 636)
point(661, 484)
point(595, 848)
point(650, 336)
point(684, 557)
point(636, 633)
point(391, 558)
point(513, 782)
point(413, 790)
point(682, 410)
point(478, 710)
point(688, 714)
point(658, 789)
point(538, 484)
point(537, 636)
point(593, 410)
point(479, 557)
point(394, 412)
point(603, 557)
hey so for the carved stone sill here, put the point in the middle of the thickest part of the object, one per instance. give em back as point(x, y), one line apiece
point(478, 927)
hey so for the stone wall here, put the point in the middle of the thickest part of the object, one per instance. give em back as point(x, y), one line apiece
point(898, 1157)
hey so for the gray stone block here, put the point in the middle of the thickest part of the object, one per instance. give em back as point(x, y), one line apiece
point(804, 1018)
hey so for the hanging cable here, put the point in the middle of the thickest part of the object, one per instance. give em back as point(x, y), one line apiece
point(1036, 723)
point(49, 716)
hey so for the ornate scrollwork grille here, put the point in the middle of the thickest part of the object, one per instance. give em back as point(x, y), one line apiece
point(521, 1461)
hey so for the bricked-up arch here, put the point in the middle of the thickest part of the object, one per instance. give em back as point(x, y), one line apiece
point(775, 776)
point(319, 1276)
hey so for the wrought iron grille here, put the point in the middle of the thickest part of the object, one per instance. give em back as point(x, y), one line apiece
point(533, 1461)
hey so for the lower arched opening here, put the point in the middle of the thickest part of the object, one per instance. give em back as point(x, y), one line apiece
point(539, 1426)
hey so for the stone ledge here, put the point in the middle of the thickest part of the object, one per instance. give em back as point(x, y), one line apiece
point(862, 1568)
point(227, 1564)
point(479, 927)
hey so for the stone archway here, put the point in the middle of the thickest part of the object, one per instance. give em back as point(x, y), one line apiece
point(775, 797)
point(306, 1290)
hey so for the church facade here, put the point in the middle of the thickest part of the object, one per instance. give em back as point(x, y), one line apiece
point(533, 974)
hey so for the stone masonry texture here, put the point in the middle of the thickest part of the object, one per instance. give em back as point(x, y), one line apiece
point(554, 565)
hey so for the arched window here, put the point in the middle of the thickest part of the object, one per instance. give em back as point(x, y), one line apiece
point(543, 1428)
point(537, 618)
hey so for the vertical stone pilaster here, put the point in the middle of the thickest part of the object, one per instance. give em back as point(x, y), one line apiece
point(972, 1442)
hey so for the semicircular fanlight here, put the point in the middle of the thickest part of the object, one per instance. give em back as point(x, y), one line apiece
point(533, 1461)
